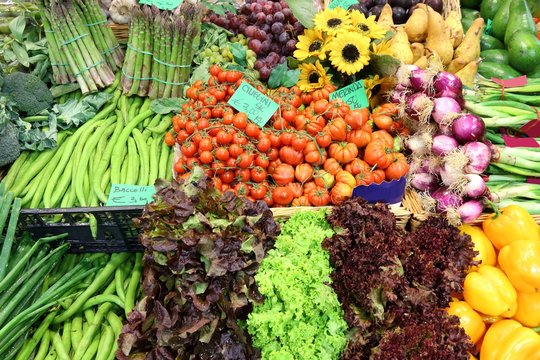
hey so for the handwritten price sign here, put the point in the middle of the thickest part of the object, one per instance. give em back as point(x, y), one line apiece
point(130, 195)
point(163, 4)
point(353, 95)
point(258, 107)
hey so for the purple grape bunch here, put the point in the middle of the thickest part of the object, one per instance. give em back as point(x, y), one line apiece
point(271, 28)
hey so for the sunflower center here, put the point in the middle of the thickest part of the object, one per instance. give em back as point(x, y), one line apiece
point(376, 89)
point(363, 27)
point(315, 46)
point(334, 22)
point(314, 77)
point(350, 53)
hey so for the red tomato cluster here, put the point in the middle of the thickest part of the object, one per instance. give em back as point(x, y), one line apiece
point(313, 153)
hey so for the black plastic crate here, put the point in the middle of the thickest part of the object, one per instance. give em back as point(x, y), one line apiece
point(115, 229)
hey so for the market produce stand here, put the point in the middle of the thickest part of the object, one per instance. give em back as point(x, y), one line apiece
point(270, 179)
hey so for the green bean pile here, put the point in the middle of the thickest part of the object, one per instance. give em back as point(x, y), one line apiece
point(86, 325)
point(122, 144)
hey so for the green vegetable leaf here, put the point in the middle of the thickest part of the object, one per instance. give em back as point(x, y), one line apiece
point(239, 53)
point(59, 90)
point(29, 46)
point(281, 76)
point(9, 56)
point(76, 113)
point(384, 65)
point(17, 26)
point(20, 53)
point(303, 10)
point(202, 72)
point(168, 105)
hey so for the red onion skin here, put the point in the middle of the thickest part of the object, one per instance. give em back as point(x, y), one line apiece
point(424, 181)
point(479, 156)
point(476, 186)
point(419, 80)
point(446, 199)
point(404, 73)
point(470, 210)
point(447, 84)
point(413, 108)
point(443, 106)
point(445, 130)
point(398, 96)
point(468, 127)
point(443, 144)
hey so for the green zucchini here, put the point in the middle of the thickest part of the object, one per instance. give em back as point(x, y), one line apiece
point(497, 70)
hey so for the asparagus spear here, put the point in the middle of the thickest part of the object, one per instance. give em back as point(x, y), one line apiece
point(148, 57)
point(179, 31)
point(154, 86)
point(133, 42)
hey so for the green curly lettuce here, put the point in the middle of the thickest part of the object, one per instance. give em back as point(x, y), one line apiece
point(301, 317)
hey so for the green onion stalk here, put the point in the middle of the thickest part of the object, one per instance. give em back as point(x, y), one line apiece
point(527, 94)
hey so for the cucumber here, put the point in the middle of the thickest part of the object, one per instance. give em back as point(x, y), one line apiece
point(466, 23)
point(535, 74)
point(471, 4)
point(497, 70)
point(524, 51)
point(488, 42)
point(488, 8)
point(469, 13)
point(495, 55)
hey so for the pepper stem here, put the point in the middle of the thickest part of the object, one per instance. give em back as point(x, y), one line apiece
point(494, 207)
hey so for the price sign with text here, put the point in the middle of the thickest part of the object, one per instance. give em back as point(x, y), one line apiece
point(130, 195)
point(353, 95)
point(258, 107)
point(162, 4)
point(344, 4)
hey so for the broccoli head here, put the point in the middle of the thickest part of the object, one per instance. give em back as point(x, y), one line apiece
point(29, 94)
point(9, 144)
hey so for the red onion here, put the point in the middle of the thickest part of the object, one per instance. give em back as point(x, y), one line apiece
point(475, 187)
point(445, 129)
point(443, 108)
point(468, 127)
point(419, 80)
point(448, 85)
point(479, 157)
point(446, 199)
point(470, 210)
point(419, 106)
point(424, 181)
point(443, 144)
point(398, 96)
point(404, 75)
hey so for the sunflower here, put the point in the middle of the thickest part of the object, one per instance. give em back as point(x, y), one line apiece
point(312, 77)
point(312, 43)
point(349, 52)
point(376, 87)
point(332, 21)
point(366, 26)
point(382, 48)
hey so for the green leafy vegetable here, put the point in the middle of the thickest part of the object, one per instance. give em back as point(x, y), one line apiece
point(281, 76)
point(239, 53)
point(76, 113)
point(303, 10)
point(301, 317)
point(165, 106)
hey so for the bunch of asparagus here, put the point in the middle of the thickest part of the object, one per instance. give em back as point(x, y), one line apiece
point(82, 47)
point(161, 46)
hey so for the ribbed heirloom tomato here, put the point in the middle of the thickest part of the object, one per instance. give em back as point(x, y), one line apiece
point(282, 195)
point(283, 174)
point(319, 196)
point(343, 152)
point(379, 153)
point(303, 172)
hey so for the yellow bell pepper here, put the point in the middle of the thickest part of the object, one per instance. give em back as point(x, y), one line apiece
point(509, 340)
point(482, 245)
point(469, 319)
point(489, 291)
point(510, 224)
point(528, 309)
point(520, 260)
